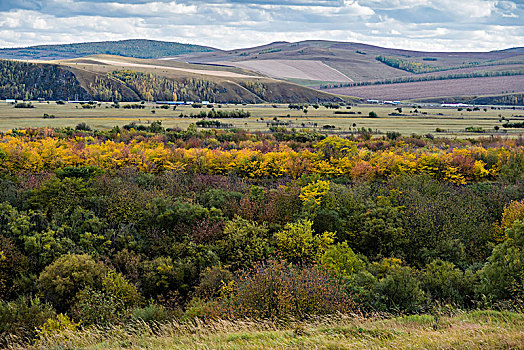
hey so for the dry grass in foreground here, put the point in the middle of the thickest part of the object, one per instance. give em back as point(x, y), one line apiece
point(473, 330)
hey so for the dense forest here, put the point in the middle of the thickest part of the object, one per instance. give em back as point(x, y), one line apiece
point(153, 87)
point(27, 81)
point(122, 226)
point(138, 48)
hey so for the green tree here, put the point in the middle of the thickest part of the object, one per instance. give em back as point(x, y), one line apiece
point(298, 243)
point(243, 243)
point(503, 275)
point(64, 278)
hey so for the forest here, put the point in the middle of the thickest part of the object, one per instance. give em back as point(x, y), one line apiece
point(28, 81)
point(103, 228)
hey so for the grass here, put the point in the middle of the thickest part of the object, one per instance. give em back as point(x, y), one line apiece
point(473, 330)
point(451, 120)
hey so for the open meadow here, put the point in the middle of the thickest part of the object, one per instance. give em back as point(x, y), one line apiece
point(449, 121)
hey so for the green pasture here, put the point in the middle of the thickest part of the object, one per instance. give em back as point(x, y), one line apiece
point(450, 121)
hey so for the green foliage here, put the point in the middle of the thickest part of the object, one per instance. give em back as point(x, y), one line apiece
point(397, 287)
point(83, 172)
point(503, 275)
point(342, 259)
point(409, 66)
point(446, 283)
point(139, 48)
point(93, 306)
point(69, 274)
point(116, 284)
point(22, 316)
point(155, 87)
point(243, 243)
point(151, 313)
point(298, 243)
point(211, 282)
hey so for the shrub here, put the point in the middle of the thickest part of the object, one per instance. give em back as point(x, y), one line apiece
point(64, 278)
point(54, 326)
point(297, 242)
point(98, 307)
point(398, 288)
point(151, 313)
point(276, 290)
point(82, 127)
point(342, 259)
point(22, 316)
point(116, 284)
point(444, 282)
point(503, 275)
point(243, 243)
point(373, 114)
point(211, 281)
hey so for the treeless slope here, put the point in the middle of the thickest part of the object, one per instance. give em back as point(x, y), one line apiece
point(295, 69)
point(439, 88)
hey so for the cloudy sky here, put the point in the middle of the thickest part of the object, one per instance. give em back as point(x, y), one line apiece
point(438, 25)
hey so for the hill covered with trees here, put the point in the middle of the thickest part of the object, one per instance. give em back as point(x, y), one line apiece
point(31, 81)
point(139, 48)
point(27, 81)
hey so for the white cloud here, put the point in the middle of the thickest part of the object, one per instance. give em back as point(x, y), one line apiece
point(410, 24)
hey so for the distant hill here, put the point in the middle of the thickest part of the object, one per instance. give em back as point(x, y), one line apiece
point(306, 62)
point(138, 48)
point(513, 49)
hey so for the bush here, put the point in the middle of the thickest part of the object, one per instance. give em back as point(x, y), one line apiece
point(398, 289)
point(116, 284)
point(342, 259)
point(502, 278)
point(297, 242)
point(98, 307)
point(243, 243)
point(82, 127)
point(373, 114)
point(69, 274)
point(24, 105)
point(276, 290)
point(446, 283)
point(151, 313)
point(23, 316)
point(211, 281)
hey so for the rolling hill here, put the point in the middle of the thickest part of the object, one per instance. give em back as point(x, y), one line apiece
point(368, 71)
point(262, 73)
point(129, 48)
point(115, 78)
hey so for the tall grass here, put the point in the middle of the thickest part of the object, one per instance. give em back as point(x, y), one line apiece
point(473, 330)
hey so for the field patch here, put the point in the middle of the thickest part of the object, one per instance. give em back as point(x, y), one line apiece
point(439, 88)
point(294, 69)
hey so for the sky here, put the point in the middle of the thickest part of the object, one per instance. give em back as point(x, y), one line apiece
point(426, 25)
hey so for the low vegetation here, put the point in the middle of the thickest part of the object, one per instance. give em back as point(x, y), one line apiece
point(150, 231)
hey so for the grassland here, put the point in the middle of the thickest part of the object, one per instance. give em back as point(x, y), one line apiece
point(473, 330)
point(450, 121)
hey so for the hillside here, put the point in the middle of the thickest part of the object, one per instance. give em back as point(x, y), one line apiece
point(129, 48)
point(343, 68)
point(113, 78)
point(358, 62)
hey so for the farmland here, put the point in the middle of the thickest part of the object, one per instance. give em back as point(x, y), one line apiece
point(433, 89)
